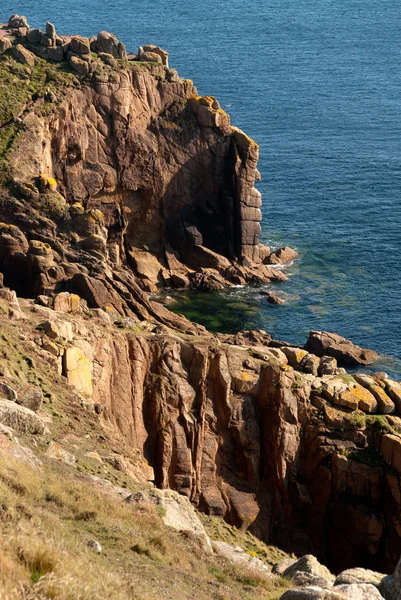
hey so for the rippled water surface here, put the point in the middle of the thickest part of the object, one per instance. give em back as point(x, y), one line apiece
point(317, 84)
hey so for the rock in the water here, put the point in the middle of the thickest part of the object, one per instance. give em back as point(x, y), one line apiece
point(273, 298)
point(281, 256)
point(22, 419)
point(346, 352)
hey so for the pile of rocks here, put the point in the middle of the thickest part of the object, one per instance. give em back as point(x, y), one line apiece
point(76, 50)
point(315, 582)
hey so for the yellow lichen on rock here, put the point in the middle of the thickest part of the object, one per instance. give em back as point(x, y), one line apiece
point(242, 138)
point(359, 397)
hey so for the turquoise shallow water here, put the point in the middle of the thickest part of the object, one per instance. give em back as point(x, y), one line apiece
point(318, 85)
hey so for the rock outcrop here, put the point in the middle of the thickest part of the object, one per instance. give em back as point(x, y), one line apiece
point(123, 178)
point(119, 179)
point(322, 343)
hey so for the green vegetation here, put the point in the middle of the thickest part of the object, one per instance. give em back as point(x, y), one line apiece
point(368, 456)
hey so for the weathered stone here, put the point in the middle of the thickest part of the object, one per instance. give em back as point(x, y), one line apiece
point(307, 571)
point(327, 366)
point(359, 591)
point(20, 418)
point(95, 546)
point(157, 50)
point(50, 30)
point(108, 43)
point(31, 397)
point(23, 55)
point(312, 593)
point(238, 556)
point(5, 44)
point(56, 452)
point(294, 355)
point(384, 403)
point(17, 21)
point(358, 575)
point(77, 367)
point(281, 256)
point(179, 514)
point(66, 302)
point(390, 447)
point(80, 45)
point(108, 59)
point(34, 36)
point(79, 65)
point(55, 53)
point(323, 343)
point(7, 392)
point(393, 389)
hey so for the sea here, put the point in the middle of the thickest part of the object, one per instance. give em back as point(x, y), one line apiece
point(318, 86)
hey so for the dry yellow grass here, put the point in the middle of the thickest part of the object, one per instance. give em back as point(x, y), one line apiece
point(47, 519)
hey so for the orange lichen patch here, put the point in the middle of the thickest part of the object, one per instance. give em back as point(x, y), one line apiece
point(95, 215)
point(209, 101)
point(4, 227)
point(248, 376)
point(242, 139)
point(359, 397)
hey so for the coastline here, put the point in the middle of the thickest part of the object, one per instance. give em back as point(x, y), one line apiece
point(118, 181)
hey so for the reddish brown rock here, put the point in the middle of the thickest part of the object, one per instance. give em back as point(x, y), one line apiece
point(323, 343)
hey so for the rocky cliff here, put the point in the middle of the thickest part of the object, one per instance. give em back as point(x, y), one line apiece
point(122, 167)
point(118, 179)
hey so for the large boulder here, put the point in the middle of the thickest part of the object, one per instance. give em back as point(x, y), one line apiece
point(23, 55)
point(80, 45)
point(21, 419)
point(17, 21)
point(323, 343)
point(359, 591)
point(108, 43)
point(312, 593)
point(307, 571)
point(281, 256)
point(359, 575)
point(238, 556)
point(177, 512)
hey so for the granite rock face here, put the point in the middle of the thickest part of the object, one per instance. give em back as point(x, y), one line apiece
point(141, 175)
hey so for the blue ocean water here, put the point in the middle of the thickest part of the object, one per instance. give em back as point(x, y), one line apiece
point(318, 86)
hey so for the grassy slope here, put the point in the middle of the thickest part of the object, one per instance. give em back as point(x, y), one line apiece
point(48, 516)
